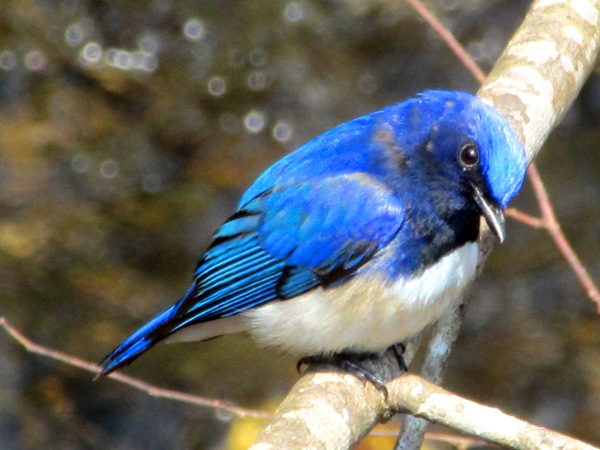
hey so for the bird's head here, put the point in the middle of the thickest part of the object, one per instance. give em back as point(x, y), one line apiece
point(474, 146)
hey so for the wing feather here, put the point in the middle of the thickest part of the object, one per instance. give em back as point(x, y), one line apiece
point(284, 242)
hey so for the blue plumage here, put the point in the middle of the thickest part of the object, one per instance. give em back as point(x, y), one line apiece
point(364, 217)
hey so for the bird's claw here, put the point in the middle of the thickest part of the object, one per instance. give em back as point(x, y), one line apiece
point(360, 365)
point(362, 373)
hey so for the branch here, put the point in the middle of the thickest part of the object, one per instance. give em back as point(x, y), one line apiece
point(532, 85)
point(551, 224)
point(148, 388)
point(446, 35)
point(437, 405)
point(543, 67)
point(340, 408)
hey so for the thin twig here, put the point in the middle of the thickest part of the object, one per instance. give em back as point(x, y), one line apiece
point(151, 390)
point(458, 442)
point(455, 440)
point(534, 222)
point(447, 36)
point(555, 231)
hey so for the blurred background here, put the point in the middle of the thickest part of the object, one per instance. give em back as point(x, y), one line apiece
point(129, 130)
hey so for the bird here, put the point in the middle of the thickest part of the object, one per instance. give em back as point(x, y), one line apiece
point(357, 240)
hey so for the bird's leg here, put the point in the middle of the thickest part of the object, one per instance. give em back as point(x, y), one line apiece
point(371, 367)
point(398, 350)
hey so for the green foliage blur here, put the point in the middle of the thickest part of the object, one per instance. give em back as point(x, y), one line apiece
point(128, 131)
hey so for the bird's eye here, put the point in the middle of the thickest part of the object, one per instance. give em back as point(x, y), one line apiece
point(468, 156)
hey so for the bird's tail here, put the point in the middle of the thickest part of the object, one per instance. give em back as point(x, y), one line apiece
point(143, 339)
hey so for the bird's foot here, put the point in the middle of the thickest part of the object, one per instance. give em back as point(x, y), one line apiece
point(355, 366)
point(364, 366)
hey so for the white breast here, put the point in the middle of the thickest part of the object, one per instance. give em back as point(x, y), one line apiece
point(369, 313)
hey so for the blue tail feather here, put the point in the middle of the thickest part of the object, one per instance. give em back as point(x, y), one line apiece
point(143, 339)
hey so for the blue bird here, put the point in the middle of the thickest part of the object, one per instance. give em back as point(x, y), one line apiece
point(357, 240)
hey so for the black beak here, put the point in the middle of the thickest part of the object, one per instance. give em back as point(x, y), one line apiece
point(493, 214)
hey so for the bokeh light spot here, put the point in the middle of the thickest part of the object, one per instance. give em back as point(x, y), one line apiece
point(80, 163)
point(109, 168)
point(217, 86)
point(194, 29)
point(91, 52)
point(254, 121)
point(229, 123)
point(74, 35)
point(8, 60)
point(282, 131)
point(258, 80)
point(120, 59)
point(148, 43)
point(35, 60)
point(293, 12)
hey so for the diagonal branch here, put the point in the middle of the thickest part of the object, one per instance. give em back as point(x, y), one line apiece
point(532, 85)
point(551, 224)
point(447, 36)
point(437, 405)
point(150, 389)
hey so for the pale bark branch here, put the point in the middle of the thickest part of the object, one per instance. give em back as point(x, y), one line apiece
point(532, 85)
point(543, 67)
point(336, 410)
point(437, 405)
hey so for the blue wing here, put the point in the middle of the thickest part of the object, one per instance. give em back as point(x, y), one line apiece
point(282, 243)
point(290, 239)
